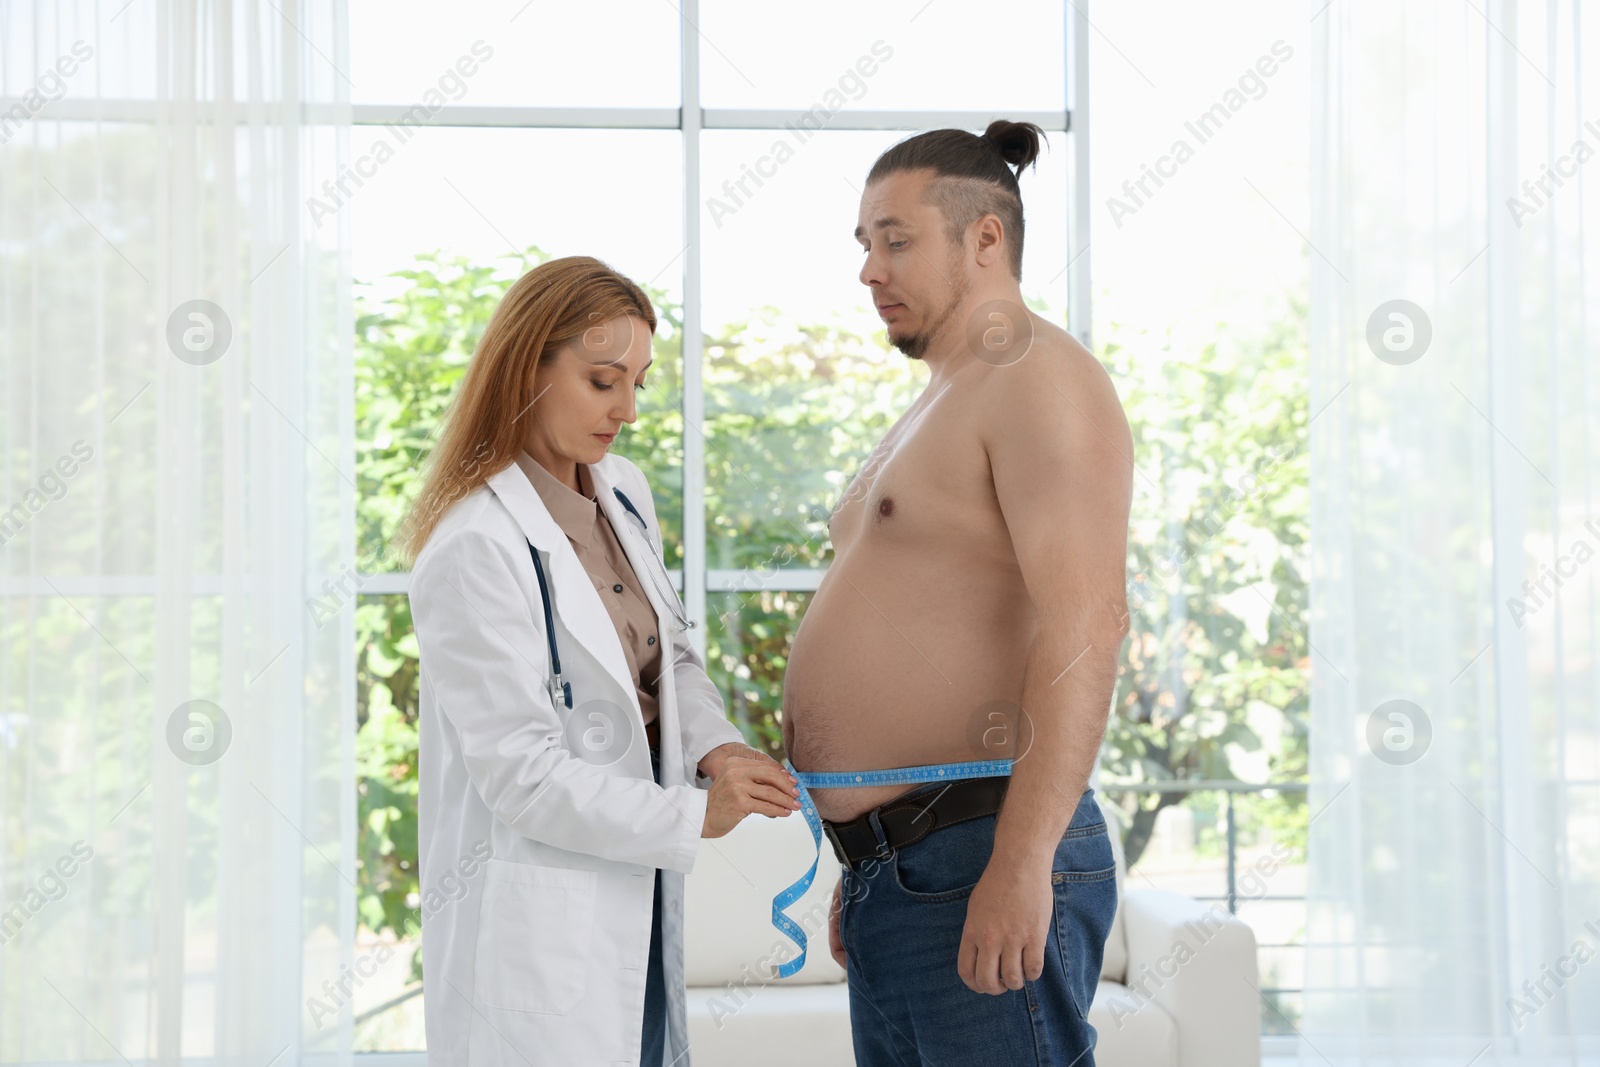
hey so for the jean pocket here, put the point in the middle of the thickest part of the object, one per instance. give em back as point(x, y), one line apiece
point(1083, 878)
point(1084, 852)
point(946, 865)
point(534, 934)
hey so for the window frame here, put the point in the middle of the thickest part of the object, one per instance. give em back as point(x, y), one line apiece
point(690, 119)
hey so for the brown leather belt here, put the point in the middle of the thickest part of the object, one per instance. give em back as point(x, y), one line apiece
point(905, 821)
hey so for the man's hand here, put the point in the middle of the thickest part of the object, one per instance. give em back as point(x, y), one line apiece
point(711, 763)
point(1008, 922)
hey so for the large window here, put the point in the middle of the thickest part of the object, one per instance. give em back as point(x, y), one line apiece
point(657, 151)
point(717, 157)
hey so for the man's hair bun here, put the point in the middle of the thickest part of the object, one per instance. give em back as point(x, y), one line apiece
point(1017, 142)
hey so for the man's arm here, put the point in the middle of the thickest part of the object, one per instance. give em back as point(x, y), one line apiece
point(1060, 454)
point(1063, 474)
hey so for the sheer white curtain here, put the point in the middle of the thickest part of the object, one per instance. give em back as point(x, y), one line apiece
point(177, 872)
point(1454, 891)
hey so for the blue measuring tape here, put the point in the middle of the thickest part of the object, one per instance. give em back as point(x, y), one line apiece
point(937, 772)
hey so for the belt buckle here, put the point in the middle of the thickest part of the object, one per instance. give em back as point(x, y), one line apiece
point(838, 846)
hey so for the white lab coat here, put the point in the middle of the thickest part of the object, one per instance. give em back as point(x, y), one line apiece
point(537, 858)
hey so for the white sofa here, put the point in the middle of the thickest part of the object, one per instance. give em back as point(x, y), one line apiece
point(1177, 989)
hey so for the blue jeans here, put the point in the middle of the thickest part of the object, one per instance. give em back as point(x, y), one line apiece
point(654, 1046)
point(901, 925)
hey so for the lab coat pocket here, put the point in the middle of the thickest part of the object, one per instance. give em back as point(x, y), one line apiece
point(534, 937)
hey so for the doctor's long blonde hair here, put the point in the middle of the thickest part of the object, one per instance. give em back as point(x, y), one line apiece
point(484, 427)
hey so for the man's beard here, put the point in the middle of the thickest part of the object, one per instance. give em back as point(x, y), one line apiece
point(915, 345)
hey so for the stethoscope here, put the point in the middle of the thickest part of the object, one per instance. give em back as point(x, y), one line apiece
point(561, 692)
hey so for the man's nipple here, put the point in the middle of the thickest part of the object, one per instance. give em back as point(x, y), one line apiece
point(885, 508)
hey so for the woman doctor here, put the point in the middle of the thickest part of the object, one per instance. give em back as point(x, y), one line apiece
point(567, 724)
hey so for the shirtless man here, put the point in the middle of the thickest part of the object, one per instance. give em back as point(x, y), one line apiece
point(974, 610)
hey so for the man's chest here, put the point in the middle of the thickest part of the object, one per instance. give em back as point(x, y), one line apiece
point(928, 478)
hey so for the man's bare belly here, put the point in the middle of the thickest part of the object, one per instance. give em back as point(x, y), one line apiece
point(913, 649)
point(892, 669)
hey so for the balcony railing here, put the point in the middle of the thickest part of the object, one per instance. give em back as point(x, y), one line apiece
point(1229, 789)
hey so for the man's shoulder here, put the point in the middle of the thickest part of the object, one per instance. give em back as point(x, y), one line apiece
point(1053, 355)
point(1054, 368)
point(1055, 389)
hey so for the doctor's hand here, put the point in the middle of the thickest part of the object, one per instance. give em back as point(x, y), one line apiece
point(712, 762)
point(746, 786)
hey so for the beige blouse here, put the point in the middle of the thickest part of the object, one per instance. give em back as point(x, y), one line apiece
point(587, 528)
